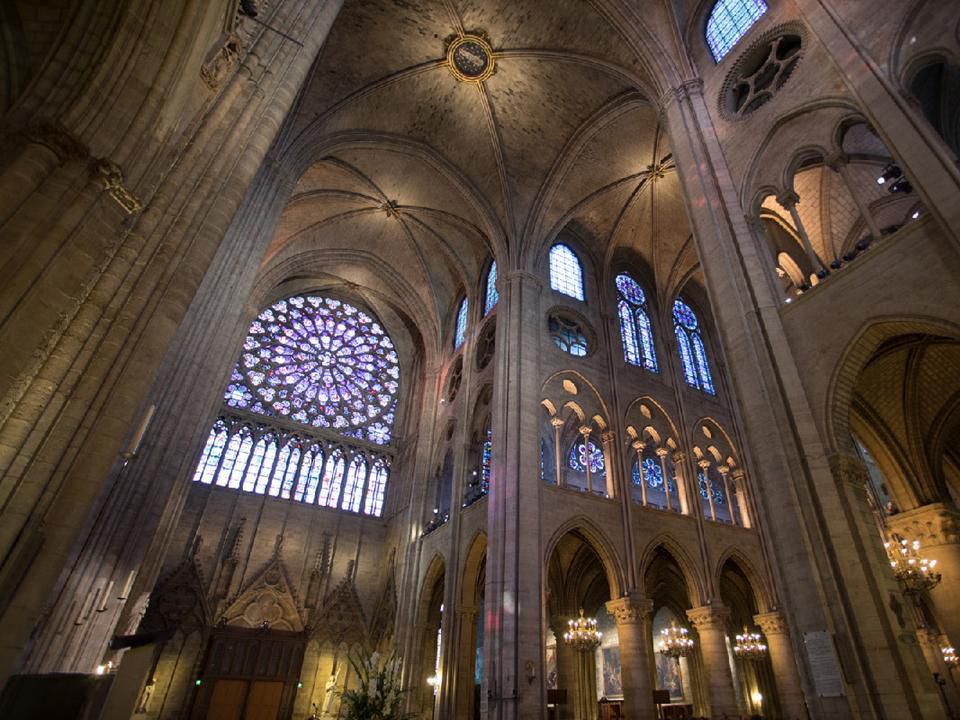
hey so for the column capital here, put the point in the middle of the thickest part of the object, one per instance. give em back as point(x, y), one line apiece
point(849, 470)
point(771, 623)
point(723, 468)
point(738, 473)
point(557, 422)
point(709, 617)
point(705, 464)
point(934, 524)
point(662, 452)
point(679, 456)
point(607, 437)
point(631, 609)
point(789, 199)
point(836, 160)
point(638, 445)
point(523, 276)
point(585, 430)
point(57, 140)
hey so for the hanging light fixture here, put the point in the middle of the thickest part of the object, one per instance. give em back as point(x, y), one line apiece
point(750, 646)
point(917, 573)
point(674, 641)
point(950, 658)
point(582, 634)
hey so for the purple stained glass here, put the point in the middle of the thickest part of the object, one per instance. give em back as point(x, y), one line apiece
point(630, 290)
point(693, 356)
point(578, 459)
point(320, 362)
point(683, 315)
point(636, 331)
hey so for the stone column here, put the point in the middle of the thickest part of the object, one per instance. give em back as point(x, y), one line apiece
point(662, 457)
point(931, 645)
point(683, 487)
point(705, 467)
point(612, 466)
point(840, 163)
point(632, 614)
point(789, 200)
point(638, 446)
point(724, 471)
point(710, 622)
point(743, 506)
point(585, 432)
point(937, 527)
point(514, 580)
point(459, 675)
point(557, 423)
point(789, 691)
point(566, 668)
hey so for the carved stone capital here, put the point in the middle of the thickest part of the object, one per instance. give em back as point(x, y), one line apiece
point(221, 60)
point(524, 277)
point(934, 524)
point(709, 617)
point(738, 474)
point(557, 422)
point(57, 140)
point(788, 198)
point(638, 445)
point(836, 160)
point(704, 464)
point(108, 175)
point(771, 623)
point(607, 437)
point(585, 430)
point(678, 457)
point(662, 452)
point(631, 609)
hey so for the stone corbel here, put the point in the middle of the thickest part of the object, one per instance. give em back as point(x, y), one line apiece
point(108, 175)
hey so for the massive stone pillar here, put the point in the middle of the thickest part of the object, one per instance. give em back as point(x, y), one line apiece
point(94, 453)
point(937, 527)
point(632, 614)
point(710, 622)
point(513, 678)
point(566, 669)
point(828, 574)
point(784, 664)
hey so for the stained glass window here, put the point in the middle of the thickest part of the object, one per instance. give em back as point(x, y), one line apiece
point(320, 362)
point(567, 335)
point(716, 489)
point(636, 331)
point(566, 275)
point(486, 460)
point(693, 356)
point(729, 21)
point(577, 459)
point(353, 487)
point(460, 332)
point(491, 296)
point(377, 488)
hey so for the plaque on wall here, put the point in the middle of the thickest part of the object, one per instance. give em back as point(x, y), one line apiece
point(824, 666)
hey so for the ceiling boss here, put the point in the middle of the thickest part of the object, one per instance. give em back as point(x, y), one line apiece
point(470, 58)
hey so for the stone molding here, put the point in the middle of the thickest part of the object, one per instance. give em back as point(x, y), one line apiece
point(934, 524)
point(630, 609)
point(771, 623)
point(57, 140)
point(709, 617)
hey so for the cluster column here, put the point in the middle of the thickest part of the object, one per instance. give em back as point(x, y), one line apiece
point(632, 614)
point(711, 624)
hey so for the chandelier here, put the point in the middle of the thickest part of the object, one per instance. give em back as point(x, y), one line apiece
point(915, 572)
point(750, 646)
point(674, 642)
point(582, 634)
point(950, 658)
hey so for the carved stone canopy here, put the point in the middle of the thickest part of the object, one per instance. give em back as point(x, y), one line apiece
point(267, 602)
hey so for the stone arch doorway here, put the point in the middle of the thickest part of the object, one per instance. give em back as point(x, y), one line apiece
point(576, 680)
point(432, 639)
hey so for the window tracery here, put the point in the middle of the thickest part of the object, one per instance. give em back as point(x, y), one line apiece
point(566, 275)
point(568, 335)
point(636, 330)
point(329, 367)
point(693, 354)
point(729, 21)
point(577, 458)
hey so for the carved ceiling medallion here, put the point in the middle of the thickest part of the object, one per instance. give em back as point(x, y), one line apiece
point(470, 58)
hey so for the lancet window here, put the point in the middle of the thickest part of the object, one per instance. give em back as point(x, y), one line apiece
point(328, 367)
point(460, 331)
point(566, 275)
point(490, 295)
point(729, 21)
point(693, 355)
point(636, 331)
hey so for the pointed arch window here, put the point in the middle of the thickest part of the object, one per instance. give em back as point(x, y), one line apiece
point(729, 21)
point(566, 274)
point(490, 295)
point(636, 330)
point(693, 355)
point(460, 331)
point(353, 487)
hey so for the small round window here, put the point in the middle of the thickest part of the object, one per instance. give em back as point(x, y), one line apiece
point(568, 334)
point(760, 72)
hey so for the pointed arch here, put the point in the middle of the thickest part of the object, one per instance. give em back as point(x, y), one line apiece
point(695, 582)
point(762, 592)
point(566, 271)
point(599, 543)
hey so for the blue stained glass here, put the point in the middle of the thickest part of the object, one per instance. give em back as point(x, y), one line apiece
point(491, 297)
point(486, 459)
point(729, 21)
point(636, 331)
point(693, 355)
point(566, 275)
point(715, 489)
point(578, 459)
point(460, 332)
point(653, 473)
point(320, 362)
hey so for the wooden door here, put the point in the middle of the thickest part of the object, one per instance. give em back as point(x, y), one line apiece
point(227, 700)
point(264, 700)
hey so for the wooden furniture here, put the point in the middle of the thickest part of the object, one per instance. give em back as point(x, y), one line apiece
point(611, 709)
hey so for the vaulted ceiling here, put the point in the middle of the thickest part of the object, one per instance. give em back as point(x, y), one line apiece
point(438, 173)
